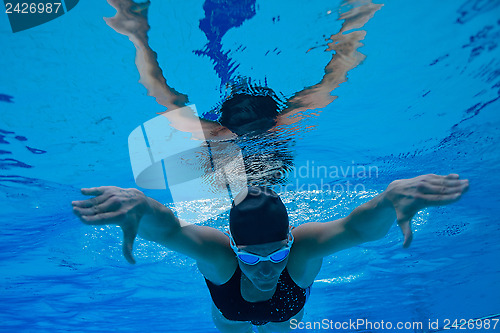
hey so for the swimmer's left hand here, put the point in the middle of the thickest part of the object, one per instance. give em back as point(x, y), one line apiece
point(408, 196)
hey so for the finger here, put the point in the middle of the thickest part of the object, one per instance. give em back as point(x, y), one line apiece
point(444, 181)
point(428, 188)
point(129, 234)
point(449, 176)
point(91, 202)
point(95, 190)
point(105, 207)
point(110, 20)
point(442, 199)
point(406, 229)
point(100, 219)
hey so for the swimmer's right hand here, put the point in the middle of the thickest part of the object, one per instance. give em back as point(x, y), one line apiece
point(115, 206)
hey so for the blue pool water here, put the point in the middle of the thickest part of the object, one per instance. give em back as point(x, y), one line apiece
point(425, 100)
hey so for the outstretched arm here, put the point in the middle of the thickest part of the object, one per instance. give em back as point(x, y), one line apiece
point(371, 221)
point(345, 56)
point(140, 215)
point(131, 20)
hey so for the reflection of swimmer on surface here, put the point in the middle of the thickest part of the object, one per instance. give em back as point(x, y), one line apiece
point(261, 273)
point(245, 112)
point(249, 113)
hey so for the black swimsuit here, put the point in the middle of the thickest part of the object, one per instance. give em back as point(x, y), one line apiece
point(287, 301)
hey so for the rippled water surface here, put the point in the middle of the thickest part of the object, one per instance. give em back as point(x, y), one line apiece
point(424, 100)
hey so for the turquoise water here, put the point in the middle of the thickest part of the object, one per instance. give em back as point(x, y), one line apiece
point(425, 100)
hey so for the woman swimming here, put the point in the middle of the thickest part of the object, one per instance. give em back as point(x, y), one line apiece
point(261, 272)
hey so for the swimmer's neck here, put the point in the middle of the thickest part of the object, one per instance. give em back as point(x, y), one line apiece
point(251, 293)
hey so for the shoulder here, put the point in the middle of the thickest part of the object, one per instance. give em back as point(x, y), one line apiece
point(303, 273)
point(208, 246)
point(301, 267)
point(218, 275)
point(221, 267)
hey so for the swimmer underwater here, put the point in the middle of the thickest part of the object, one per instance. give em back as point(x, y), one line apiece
point(261, 273)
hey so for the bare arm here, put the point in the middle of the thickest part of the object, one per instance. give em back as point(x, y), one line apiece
point(345, 56)
point(131, 20)
point(371, 221)
point(137, 214)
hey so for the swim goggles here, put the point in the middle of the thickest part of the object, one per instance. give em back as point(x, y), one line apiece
point(253, 259)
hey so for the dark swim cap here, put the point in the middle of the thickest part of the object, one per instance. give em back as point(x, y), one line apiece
point(258, 216)
point(244, 113)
